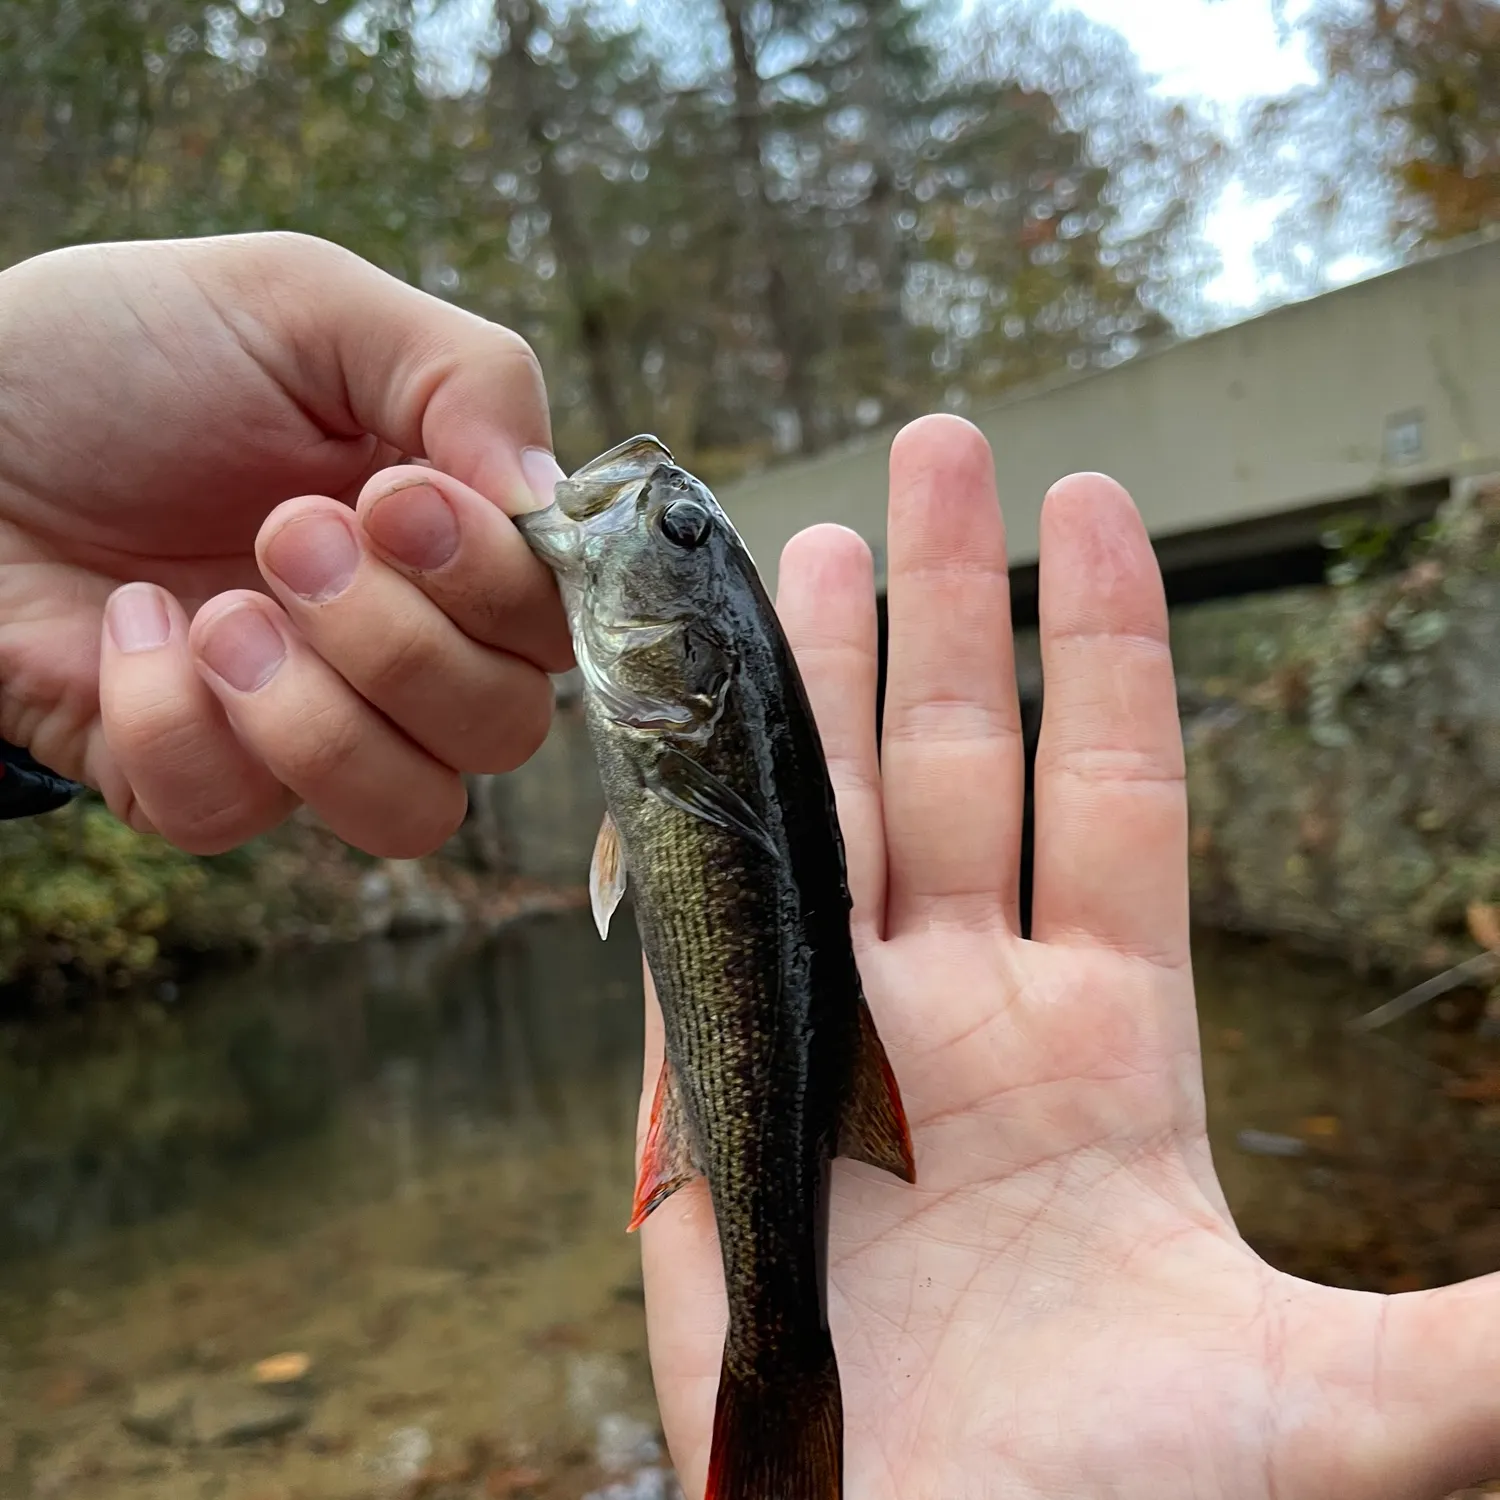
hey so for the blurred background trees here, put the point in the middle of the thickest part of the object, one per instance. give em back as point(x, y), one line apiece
point(754, 226)
point(1395, 148)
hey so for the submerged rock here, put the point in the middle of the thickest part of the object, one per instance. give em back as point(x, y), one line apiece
point(651, 1483)
point(399, 900)
point(402, 1457)
point(624, 1443)
point(160, 1411)
point(1269, 1143)
point(215, 1411)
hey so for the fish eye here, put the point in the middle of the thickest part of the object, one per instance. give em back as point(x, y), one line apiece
point(686, 523)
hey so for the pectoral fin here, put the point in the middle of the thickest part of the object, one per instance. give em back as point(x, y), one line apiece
point(873, 1128)
point(667, 1157)
point(606, 875)
point(695, 790)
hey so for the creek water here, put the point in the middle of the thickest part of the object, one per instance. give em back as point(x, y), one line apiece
point(411, 1166)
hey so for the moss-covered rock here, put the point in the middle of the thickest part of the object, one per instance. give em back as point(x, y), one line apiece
point(85, 901)
point(1344, 751)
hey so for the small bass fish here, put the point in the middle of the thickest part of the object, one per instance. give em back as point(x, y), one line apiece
point(721, 815)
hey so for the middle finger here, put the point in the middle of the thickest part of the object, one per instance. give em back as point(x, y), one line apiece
point(951, 750)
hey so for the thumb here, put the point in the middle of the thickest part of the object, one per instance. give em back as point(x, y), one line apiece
point(1440, 1354)
point(363, 352)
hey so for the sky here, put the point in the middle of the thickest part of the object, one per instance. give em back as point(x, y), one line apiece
point(1226, 52)
point(1229, 52)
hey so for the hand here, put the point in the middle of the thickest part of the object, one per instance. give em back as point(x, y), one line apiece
point(195, 420)
point(1061, 1307)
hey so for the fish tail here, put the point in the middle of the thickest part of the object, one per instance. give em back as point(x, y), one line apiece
point(780, 1438)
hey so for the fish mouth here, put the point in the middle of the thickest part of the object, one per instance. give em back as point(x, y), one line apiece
point(602, 482)
point(552, 534)
point(613, 481)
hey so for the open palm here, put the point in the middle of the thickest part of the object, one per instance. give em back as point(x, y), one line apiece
point(1062, 1305)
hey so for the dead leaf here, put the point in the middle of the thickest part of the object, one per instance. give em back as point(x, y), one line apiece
point(66, 1388)
point(1483, 1088)
point(1484, 925)
point(282, 1369)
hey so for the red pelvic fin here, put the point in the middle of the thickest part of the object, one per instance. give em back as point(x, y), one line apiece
point(782, 1440)
point(873, 1128)
point(666, 1158)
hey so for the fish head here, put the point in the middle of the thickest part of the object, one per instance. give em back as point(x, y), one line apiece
point(645, 558)
point(634, 536)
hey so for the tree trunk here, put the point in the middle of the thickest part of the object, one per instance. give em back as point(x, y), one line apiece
point(590, 306)
point(885, 238)
point(760, 220)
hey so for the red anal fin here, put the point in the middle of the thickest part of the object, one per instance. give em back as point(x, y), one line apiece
point(666, 1158)
point(873, 1128)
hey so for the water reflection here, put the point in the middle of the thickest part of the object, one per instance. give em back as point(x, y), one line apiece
point(412, 1165)
point(1367, 1172)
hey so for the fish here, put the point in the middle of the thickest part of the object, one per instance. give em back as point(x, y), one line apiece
point(28, 788)
point(720, 817)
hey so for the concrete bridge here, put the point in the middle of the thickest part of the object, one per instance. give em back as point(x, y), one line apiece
point(1240, 447)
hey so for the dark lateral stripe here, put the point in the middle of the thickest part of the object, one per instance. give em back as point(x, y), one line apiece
point(28, 788)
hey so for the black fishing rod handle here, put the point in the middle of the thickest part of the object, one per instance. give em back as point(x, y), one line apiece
point(28, 788)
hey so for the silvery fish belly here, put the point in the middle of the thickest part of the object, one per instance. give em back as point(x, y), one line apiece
point(721, 817)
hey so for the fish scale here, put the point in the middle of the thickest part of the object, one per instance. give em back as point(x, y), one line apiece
point(721, 817)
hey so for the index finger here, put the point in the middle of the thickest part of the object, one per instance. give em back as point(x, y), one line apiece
point(362, 352)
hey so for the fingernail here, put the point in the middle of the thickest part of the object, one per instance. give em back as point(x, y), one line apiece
point(314, 556)
point(415, 525)
point(244, 648)
point(137, 618)
point(542, 472)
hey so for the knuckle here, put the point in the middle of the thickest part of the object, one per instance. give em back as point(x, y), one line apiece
point(514, 347)
point(953, 721)
point(157, 726)
point(321, 746)
point(406, 658)
point(280, 246)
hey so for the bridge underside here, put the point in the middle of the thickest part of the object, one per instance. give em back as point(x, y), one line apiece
point(1273, 552)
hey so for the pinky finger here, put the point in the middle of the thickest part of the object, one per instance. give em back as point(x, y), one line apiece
point(189, 778)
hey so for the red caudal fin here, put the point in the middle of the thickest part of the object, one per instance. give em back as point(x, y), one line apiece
point(873, 1128)
point(782, 1440)
point(666, 1158)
